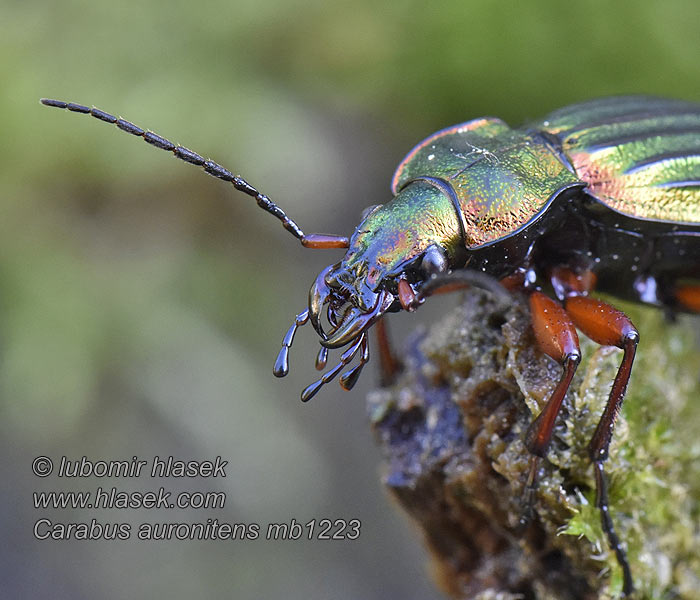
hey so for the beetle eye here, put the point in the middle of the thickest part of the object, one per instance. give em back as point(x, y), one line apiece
point(434, 261)
point(368, 211)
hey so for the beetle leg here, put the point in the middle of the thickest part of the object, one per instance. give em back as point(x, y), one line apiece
point(556, 336)
point(688, 296)
point(609, 327)
point(459, 280)
point(407, 297)
point(515, 282)
point(567, 282)
point(389, 366)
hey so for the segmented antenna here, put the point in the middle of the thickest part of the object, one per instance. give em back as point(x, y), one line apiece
point(187, 155)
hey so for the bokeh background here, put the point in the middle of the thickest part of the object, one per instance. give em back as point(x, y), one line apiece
point(142, 302)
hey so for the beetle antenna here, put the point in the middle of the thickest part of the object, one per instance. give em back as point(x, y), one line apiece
point(214, 169)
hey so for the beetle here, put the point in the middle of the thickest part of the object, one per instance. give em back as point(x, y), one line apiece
point(602, 195)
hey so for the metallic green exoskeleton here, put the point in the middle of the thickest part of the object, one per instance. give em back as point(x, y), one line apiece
point(607, 191)
point(484, 193)
point(626, 163)
point(610, 185)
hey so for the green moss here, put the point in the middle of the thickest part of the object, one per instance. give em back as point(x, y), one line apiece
point(452, 430)
point(654, 466)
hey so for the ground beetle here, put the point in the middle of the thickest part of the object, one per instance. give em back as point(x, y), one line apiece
point(599, 195)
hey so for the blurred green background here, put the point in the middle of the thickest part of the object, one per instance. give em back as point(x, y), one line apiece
point(142, 302)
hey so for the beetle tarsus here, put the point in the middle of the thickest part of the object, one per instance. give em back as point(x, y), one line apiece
point(529, 493)
point(609, 528)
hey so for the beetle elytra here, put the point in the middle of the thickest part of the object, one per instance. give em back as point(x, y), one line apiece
point(600, 195)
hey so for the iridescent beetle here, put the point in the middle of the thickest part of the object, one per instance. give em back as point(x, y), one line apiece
point(603, 194)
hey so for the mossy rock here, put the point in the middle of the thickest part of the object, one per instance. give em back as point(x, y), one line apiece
point(452, 428)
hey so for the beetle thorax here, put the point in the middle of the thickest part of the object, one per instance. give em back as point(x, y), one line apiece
point(393, 236)
point(391, 243)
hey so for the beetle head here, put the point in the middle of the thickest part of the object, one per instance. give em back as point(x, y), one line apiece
point(396, 248)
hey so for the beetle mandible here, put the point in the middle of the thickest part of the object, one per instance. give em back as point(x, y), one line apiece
point(599, 195)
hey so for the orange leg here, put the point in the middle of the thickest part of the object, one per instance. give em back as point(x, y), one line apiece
point(688, 296)
point(389, 366)
point(609, 327)
point(556, 336)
